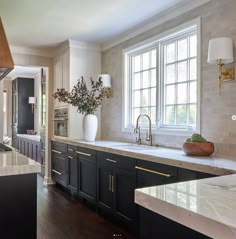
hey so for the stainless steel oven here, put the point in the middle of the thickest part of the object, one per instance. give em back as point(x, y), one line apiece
point(61, 122)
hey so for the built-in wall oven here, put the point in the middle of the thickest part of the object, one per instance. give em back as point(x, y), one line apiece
point(61, 122)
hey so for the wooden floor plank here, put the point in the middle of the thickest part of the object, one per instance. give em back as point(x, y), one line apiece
point(61, 216)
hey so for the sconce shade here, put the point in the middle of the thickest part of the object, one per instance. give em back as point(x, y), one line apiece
point(220, 49)
point(106, 79)
point(32, 100)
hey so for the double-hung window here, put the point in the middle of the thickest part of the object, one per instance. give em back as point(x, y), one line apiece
point(161, 80)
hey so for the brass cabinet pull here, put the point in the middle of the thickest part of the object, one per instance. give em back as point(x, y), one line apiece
point(55, 151)
point(152, 171)
point(82, 153)
point(112, 184)
point(110, 160)
point(70, 157)
point(55, 171)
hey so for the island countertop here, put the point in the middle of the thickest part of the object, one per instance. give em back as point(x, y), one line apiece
point(33, 137)
point(14, 163)
point(173, 157)
point(207, 205)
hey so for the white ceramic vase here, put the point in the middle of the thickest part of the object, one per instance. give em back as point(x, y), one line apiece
point(90, 126)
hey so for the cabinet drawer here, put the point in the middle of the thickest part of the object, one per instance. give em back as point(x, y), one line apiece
point(71, 151)
point(117, 160)
point(157, 167)
point(150, 174)
point(59, 164)
point(58, 147)
point(86, 153)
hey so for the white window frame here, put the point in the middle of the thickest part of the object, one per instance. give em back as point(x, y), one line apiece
point(157, 41)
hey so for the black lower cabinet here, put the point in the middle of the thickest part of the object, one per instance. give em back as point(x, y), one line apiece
point(87, 176)
point(60, 163)
point(72, 170)
point(186, 175)
point(153, 226)
point(18, 206)
point(116, 183)
point(104, 185)
point(125, 183)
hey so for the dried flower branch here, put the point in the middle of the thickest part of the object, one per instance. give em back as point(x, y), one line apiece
point(87, 101)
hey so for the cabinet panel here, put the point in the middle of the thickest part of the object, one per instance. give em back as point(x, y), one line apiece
point(73, 174)
point(124, 186)
point(87, 178)
point(104, 181)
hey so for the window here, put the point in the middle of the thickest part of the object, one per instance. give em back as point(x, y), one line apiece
point(162, 80)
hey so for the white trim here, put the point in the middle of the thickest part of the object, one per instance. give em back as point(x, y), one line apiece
point(151, 42)
point(46, 52)
point(171, 13)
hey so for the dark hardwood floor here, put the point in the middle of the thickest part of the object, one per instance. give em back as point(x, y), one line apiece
point(61, 216)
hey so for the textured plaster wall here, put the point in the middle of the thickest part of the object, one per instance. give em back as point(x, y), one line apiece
point(218, 19)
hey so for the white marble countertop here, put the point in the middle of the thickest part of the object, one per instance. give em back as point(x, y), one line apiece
point(14, 163)
point(35, 137)
point(206, 205)
point(174, 157)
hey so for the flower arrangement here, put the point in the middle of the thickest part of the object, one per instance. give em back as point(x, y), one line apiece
point(86, 100)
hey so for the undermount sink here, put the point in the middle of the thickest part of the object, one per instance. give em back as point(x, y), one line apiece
point(135, 147)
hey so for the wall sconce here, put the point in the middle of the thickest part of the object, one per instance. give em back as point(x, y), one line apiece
point(106, 80)
point(33, 101)
point(220, 52)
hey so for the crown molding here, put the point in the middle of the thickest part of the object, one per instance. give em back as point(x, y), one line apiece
point(45, 52)
point(84, 45)
point(167, 15)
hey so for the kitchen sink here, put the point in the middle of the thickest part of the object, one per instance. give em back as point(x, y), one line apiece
point(135, 147)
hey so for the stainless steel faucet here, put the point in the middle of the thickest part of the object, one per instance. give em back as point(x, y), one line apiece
point(137, 130)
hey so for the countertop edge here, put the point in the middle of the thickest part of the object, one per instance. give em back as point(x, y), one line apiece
point(185, 217)
point(211, 169)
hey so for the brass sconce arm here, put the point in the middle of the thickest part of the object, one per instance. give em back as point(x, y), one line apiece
point(225, 74)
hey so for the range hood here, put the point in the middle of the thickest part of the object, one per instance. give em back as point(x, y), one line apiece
point(6, 61)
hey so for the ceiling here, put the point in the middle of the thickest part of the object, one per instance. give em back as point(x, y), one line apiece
point(23, 71)
point(46, 23)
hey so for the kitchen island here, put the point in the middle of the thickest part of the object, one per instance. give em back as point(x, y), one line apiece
point(18, 198)
point(207, 206)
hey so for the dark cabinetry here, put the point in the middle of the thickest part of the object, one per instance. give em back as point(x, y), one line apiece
point(87, 174)
point(29, 148)
point(22, 115)
point(73, 169)
point(60, 163)
point(157, 224)
point(153, 174)
point(116, 184)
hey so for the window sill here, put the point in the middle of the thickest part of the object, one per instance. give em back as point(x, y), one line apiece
point(163, 131)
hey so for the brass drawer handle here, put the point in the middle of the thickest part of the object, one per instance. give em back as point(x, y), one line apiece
point(55, 171)
point(112, 184)
point(82, 153)
point(70, 157)
point(110, 160)
point(71, 150)
point(152, 171)
point(55, 151)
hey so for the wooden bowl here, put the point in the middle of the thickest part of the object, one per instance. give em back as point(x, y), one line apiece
point(198, 149)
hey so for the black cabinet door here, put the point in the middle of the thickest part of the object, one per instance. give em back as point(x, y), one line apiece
point(60, 169)
point(104, 187)
point(73, 174)
point(124, 183)
point(87, 178)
